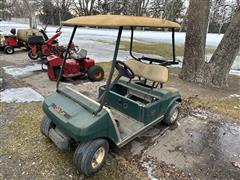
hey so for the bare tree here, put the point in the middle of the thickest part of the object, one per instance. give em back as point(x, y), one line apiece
point(84, 7)
point(225, 54)
point(167, 9)
point(31, 14)
point(195, 68)
point(221, 12)
point(63, 7)
point(139, 7)
point(194, 53)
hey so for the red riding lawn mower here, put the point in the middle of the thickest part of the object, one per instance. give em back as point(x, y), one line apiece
point(77, 65)
point(42, 46)
point(9, 42)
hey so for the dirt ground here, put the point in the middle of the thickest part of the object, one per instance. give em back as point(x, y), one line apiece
point(203, 145)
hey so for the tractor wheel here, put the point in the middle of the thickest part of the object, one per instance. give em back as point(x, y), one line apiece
point(46, 125)
point(95, 73)
point(33, 57)
point(90, 157)
point(26, 45)
point(172, 114)
point(9, 50)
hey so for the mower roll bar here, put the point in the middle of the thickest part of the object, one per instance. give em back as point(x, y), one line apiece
point(44, 34)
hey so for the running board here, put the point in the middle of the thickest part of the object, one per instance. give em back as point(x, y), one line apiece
point(140, 131)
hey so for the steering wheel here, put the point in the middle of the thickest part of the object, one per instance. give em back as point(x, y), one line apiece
point(124, 70)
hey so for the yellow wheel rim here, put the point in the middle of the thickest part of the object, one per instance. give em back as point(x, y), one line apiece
point(174, 115)
point(98, 157)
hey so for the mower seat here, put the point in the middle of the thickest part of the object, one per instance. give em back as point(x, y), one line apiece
point(82, 54)
point(153, 72)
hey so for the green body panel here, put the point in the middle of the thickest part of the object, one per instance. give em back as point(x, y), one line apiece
point(124, 105)
point(67, 109)
point(145, 113)
point(78, 123)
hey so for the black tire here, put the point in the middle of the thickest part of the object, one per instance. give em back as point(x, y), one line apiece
point(31, 56)
point(84, 154)
point(26, 45)
point(9, 50)
point(172, 114)
point(46, 125)
point(95, 73)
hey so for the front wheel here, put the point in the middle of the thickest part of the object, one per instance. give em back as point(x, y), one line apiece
point(172, 114)
point(46, 125)
point(90, 157)
point(33, 56)
point(95, 73)
point(9, 50)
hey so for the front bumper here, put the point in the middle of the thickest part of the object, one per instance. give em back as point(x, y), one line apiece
point(61, 140)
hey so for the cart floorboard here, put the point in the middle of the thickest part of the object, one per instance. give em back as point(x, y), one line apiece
point(127, 125)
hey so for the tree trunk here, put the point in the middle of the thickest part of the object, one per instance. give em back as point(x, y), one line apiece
point(226, 52)
point(214, 72)
point(194, 52)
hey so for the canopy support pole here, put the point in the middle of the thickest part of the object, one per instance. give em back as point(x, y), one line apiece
point(131, 45)
point(173, 45)
point(107, 88)
point(65, 57)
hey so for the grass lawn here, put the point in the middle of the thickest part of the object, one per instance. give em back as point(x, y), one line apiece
point(226, 106)
point(161, 49)
point(26, 153)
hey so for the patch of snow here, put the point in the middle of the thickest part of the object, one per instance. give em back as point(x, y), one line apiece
point(147, 165)
point(84, 33)
point(22, 71)
point(200, 113)
point(236, 164)
point(234, 95)
point(20, 95)
point(235, 69)
point(100, 42)
point(235, 72)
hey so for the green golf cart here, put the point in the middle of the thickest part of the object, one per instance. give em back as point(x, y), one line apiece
point(126, 107)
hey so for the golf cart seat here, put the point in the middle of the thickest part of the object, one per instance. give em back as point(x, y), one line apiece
point(153, 72)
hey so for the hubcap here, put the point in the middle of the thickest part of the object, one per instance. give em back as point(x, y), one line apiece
point(34, 56)
point(9, 51)
point(98, 74)
point(98, 157)
point(174, 115)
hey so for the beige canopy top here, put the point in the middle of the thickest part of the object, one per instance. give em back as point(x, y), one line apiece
point(119, 20)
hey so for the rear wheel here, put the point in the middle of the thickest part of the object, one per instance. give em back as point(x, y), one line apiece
point(90, 157)
point(9, 50)
point(95, 73)
point(33, 56)
point(172, 114)
point(46, 125)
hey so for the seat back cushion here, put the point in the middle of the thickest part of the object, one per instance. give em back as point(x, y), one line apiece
point(152, 72)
